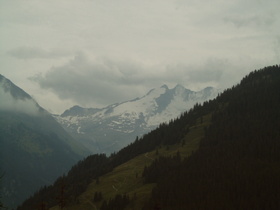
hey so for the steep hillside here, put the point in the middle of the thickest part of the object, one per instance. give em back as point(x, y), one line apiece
point(111, 128)
point(127, 179)
point(223, 154)
point(238, 163)
point(34, 148)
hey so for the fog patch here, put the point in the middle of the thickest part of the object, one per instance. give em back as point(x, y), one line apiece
point(9, 103)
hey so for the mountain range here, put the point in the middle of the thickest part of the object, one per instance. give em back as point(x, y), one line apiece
point(108, 129)
point(34, 148)
point(222, 154)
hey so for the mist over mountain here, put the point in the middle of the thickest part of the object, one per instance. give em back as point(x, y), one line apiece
point(34, 148)
point(15, 99)
point(108, 129)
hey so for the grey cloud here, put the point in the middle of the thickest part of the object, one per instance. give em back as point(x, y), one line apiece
point(35, 52)
point(104, 81)
point(206, 75)
point(10, 103)
point(209, 71)
point(220, 73)
point(251, 20)
point(100, 82)
point(277, 48)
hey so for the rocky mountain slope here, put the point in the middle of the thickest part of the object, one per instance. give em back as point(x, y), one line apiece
point(109, 129)
point(34, 148)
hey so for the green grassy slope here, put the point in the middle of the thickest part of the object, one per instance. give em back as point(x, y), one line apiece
point(127, 178)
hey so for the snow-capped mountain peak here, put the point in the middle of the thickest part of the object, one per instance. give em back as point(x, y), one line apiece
point(120, 123)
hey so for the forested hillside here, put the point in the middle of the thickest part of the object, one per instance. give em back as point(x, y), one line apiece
point(237, 165)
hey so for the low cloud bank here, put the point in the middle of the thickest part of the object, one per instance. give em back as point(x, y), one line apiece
point(9, 103)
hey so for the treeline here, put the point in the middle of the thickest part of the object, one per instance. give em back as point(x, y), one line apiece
point(238, 163)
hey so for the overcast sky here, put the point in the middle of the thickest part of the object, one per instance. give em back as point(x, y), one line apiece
point(97, 52)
